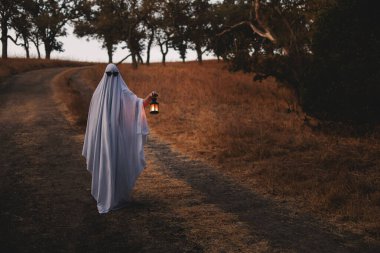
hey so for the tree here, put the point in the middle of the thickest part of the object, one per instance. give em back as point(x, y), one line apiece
point(133, 31)
point(175, 22)
point(50, 17)
point(163, 41)
point(23, 27)
point(101, 19)
point(150, 10)
point(8, 8)
point(35, 38)
point(282, 37)
point(164, 29)
point(200, 27)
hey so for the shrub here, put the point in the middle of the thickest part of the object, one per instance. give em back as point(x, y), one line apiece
point(343, 81)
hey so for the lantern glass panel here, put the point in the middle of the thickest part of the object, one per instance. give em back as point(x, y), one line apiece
point(154, 108)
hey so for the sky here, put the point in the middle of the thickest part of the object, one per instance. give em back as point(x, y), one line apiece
point(82, 49)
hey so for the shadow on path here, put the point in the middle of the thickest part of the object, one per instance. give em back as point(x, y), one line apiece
point(266, 219)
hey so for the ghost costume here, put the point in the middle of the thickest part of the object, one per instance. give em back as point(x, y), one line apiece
point(114, 141)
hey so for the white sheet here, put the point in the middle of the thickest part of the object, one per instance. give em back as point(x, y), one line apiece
point(114, 141)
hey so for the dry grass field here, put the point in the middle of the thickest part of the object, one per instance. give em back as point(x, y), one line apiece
point(255, 134)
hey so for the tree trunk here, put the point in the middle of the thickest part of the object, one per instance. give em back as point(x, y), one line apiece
point(47, 52)
point(199, 53)
point(35, 41)
point(26, 46)
point(4, 38)
point(150, 42)
point(109, 56)
point(183, 57)
point(131, 48)
point(38, 51)
point(140, 59)
point(163, 59)
point(148, 55)
point(134, 60)
point(109, 53)
point(48, 48)
point(164, 51)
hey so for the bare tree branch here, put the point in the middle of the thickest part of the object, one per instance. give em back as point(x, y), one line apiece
point(253, 28)
point(14, 40)
point(123, 59)
point(268, 32)
point(264, 32)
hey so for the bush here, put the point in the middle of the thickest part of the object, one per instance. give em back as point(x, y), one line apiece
point(343, 81)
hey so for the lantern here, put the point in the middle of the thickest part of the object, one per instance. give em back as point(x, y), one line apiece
point(154, 104)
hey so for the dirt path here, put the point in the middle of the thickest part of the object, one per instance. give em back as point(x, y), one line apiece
point(179, 205)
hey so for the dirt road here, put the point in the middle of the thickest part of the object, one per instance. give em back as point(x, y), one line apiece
point(179, 205)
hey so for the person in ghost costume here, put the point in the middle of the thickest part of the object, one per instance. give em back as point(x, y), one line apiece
point(114, 141)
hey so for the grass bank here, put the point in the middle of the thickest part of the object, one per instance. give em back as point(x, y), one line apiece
point(12, 66)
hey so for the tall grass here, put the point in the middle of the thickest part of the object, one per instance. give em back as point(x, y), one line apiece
point(257, 135)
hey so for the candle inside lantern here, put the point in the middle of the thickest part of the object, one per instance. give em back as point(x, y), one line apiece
point(154, 104)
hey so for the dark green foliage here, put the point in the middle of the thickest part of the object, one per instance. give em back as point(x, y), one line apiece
point(343, 82)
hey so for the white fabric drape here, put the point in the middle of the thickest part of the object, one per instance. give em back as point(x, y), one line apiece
point(114, 141)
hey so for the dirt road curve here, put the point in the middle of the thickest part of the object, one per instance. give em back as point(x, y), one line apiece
point(179, 205)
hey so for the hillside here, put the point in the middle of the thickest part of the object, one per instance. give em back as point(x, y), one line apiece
point(255, 134)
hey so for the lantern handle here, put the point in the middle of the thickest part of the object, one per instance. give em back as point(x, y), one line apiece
point(154, 94)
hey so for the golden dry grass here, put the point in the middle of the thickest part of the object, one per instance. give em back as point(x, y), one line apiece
point(246, 130)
